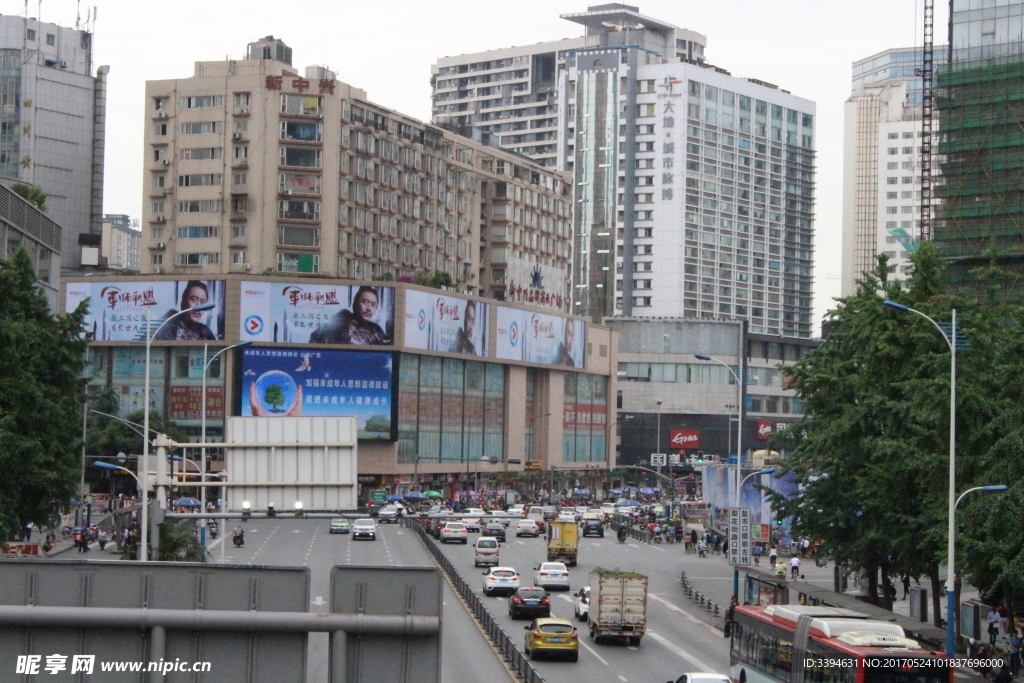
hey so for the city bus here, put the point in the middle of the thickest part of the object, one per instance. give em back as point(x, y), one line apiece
point(804, 644)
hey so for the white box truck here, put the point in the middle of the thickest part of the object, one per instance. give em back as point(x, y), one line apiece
point(618, 605)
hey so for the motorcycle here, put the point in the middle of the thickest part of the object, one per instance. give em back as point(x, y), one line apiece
point(239, 539)
point(214, 529)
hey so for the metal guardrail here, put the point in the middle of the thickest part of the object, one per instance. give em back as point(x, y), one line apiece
point(512, 655)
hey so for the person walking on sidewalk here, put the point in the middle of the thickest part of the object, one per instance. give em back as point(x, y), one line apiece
point(993, 626)
point(906, 585)
point(1016, 643)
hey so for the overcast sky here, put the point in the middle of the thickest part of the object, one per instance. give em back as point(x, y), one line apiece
point(386, 48)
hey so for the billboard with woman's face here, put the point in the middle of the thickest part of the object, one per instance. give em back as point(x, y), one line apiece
point(118, 310)
point(300, 313)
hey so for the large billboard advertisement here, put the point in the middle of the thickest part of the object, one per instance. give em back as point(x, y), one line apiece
point(290, 382)
point(436, 322)
point(539, 338)
point(301, 313)
point(117, 310)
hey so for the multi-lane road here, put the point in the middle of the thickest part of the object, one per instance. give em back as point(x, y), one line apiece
point(466, 654)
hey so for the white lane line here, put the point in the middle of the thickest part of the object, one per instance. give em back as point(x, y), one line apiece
point(686, 614)
point(594, 652)
point(623, 679)
point(669, 645)
point(567, 598)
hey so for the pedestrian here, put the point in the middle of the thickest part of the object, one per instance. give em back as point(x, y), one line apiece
point(794, 568)
point(80, 544)
point(757, 554)
point(1016, 643)
point(993, 626)
point(805, 549)
point(906, 586)
point(730, 615)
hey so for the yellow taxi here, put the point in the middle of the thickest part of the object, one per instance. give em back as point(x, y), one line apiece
point(552, 636)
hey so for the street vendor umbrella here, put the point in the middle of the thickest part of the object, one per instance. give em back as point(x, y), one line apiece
point(434, 494)
point(582, 492)
point(187, 503)
point(645, 491)
point(394, 498)
point(628, 503)
point(415, 495)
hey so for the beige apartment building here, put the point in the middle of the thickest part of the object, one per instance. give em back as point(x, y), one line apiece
point(254, 167)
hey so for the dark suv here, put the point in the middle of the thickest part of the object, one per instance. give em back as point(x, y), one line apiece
point(495, 529)
point(529, 602)
point(593, 527)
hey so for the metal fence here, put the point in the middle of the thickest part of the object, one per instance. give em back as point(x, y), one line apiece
point(513, 656)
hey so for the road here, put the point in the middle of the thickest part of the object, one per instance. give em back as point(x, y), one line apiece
point(681, 637)
point(466, 655)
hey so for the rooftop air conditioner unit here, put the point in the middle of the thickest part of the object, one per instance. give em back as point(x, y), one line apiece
point(286, 193)
point(167, 162)
point(247, 266)
point(243, 110)
point(162, 115)
point(63, 65)
point(160, 245)
point(161, 219)
point(158, 270)
point(236, 136)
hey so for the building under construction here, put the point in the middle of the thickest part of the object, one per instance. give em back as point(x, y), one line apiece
point(980, 104)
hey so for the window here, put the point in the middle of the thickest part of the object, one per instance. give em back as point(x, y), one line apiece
point(202, 101)
point(201, 127)
point(298, 263)
point(238, 256)
point(301, 130)
point(241, 152)
point(894, 136)
point(298, 210)
point(196, 259)
point(199, 153)
point(300, 156)
point(891, 180)
point(200, 206)
point(198, 232)
point(30, 34)
point(238, 230)
point(51, 39)
point(301, 104)
point(892, 165)
point(159, 129)
point(240, 178)
point(241, 125)
point(241, 99)
point(296, 236)
point(158, 206)
point(198, 179)
point(892, 150)
point(159, 181)
point(157, 259)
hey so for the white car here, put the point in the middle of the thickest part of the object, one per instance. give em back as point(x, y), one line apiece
point(472, 524)
point(592, 514)
point(551, 575)
point(454, 531)
point(568, 515)
point(582, 509)
point(500, 516)
point(501, 580)
point(474, 512)
point(527, 527)
point(517, 511)
point(582, 600)
point(389, 514)
point(702, 678)
point(364, 528)
point(608, 511)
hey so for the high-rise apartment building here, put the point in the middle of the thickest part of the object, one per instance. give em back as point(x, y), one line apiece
point(23, 226)
point(979, 100)
point(882, 164)
point(122, 242)
point(252, 166)
point(694, 191)
point(512, 92)
point(52, 122)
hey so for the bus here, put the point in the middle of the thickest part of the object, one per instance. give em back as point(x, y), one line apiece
point(805, 644)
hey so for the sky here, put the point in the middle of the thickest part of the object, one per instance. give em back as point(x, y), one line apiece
point(386, 48)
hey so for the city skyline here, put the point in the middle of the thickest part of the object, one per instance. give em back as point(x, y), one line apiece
point(820, 71)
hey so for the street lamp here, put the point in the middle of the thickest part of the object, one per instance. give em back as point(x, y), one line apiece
point(206, 367)
point(107, 466)
point(951, 337)
point(658, 446)
point(150, 334)
point(739, 414)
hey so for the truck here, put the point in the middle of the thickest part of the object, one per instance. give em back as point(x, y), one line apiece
point(563, 542)
point(618, 606)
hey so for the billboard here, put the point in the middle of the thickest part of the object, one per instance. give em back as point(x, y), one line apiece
point(117, 310)
point(540, 338)
point(536, 284)
point(436, 322)
point(301, 313)
point(680, 439)
point(765, 430)
point(320, 383)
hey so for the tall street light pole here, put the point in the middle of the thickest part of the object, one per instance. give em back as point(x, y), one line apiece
point(950, 338)
point(107, 466)
point(207, 363)
point(658, 447)
point(150, 334)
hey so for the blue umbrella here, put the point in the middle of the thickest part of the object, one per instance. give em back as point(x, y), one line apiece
point(645, 491)
point(187, 503)
point(582, 492)
point(414, 495)
point(628, 503)
point(394, 498)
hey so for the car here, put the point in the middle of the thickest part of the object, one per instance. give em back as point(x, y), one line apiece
point(474, 512)
point(567, 515)
point(517, 511)
point(550, 512)
point(389, 514)
point(339, 525)
point(702, 678)
point(593, 527)
point(529, 602)
point(582, 510)
point(500, 516)
point(454, 531)
point(592, 514)
point(364, 528)
point(472, 524)
point(501, 580)
point(582, 606)
point(527, 527)
point(608, 511)
point(536, 513)
point(551, 575)
point(438, 524)
point(495, 529)
point(438, 510)
point(552, 636)
point(485, 551)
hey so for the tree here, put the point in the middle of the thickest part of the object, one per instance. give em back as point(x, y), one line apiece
point(178, 543)
point(378, 424)
point(42, 357)
point(871, 455)
point(31, 193)
point(440, 279)
point(274, 396)
point(107, 437)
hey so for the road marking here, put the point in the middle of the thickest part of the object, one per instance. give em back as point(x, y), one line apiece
point(594, 652)
point(669, 645)
point(631, 647)
point(319, 601)
point(660, 550)
point(686, 614)
point(567, 598)
point(296, 531)
point(623, 679)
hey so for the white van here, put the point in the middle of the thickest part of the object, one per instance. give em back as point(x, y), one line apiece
point(485, 551)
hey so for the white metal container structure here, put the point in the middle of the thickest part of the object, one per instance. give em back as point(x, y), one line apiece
point(308, 459)
point(618, 605)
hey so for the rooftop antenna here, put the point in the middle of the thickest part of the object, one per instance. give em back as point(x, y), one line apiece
point(78, 14)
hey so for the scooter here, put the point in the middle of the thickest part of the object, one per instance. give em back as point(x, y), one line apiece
point(239, 539)
point(214, 529)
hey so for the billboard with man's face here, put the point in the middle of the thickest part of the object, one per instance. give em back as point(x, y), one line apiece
point(118, 310)
point(437, 322)
point(301, 313)
point(540, 338)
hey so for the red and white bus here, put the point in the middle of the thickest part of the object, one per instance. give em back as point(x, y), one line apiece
point(803, 644)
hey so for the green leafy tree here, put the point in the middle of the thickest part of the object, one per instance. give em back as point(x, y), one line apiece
point(378, 424)
point(107, 437)
point(42, 357)
point(274, 396)
point(178, 543)
point(33, 194)
point(440, 279)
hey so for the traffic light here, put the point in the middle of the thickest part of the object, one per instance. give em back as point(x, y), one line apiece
point(778, 522)
point(700, 456)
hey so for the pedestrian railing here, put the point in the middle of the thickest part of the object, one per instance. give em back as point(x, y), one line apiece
point(512, 655)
